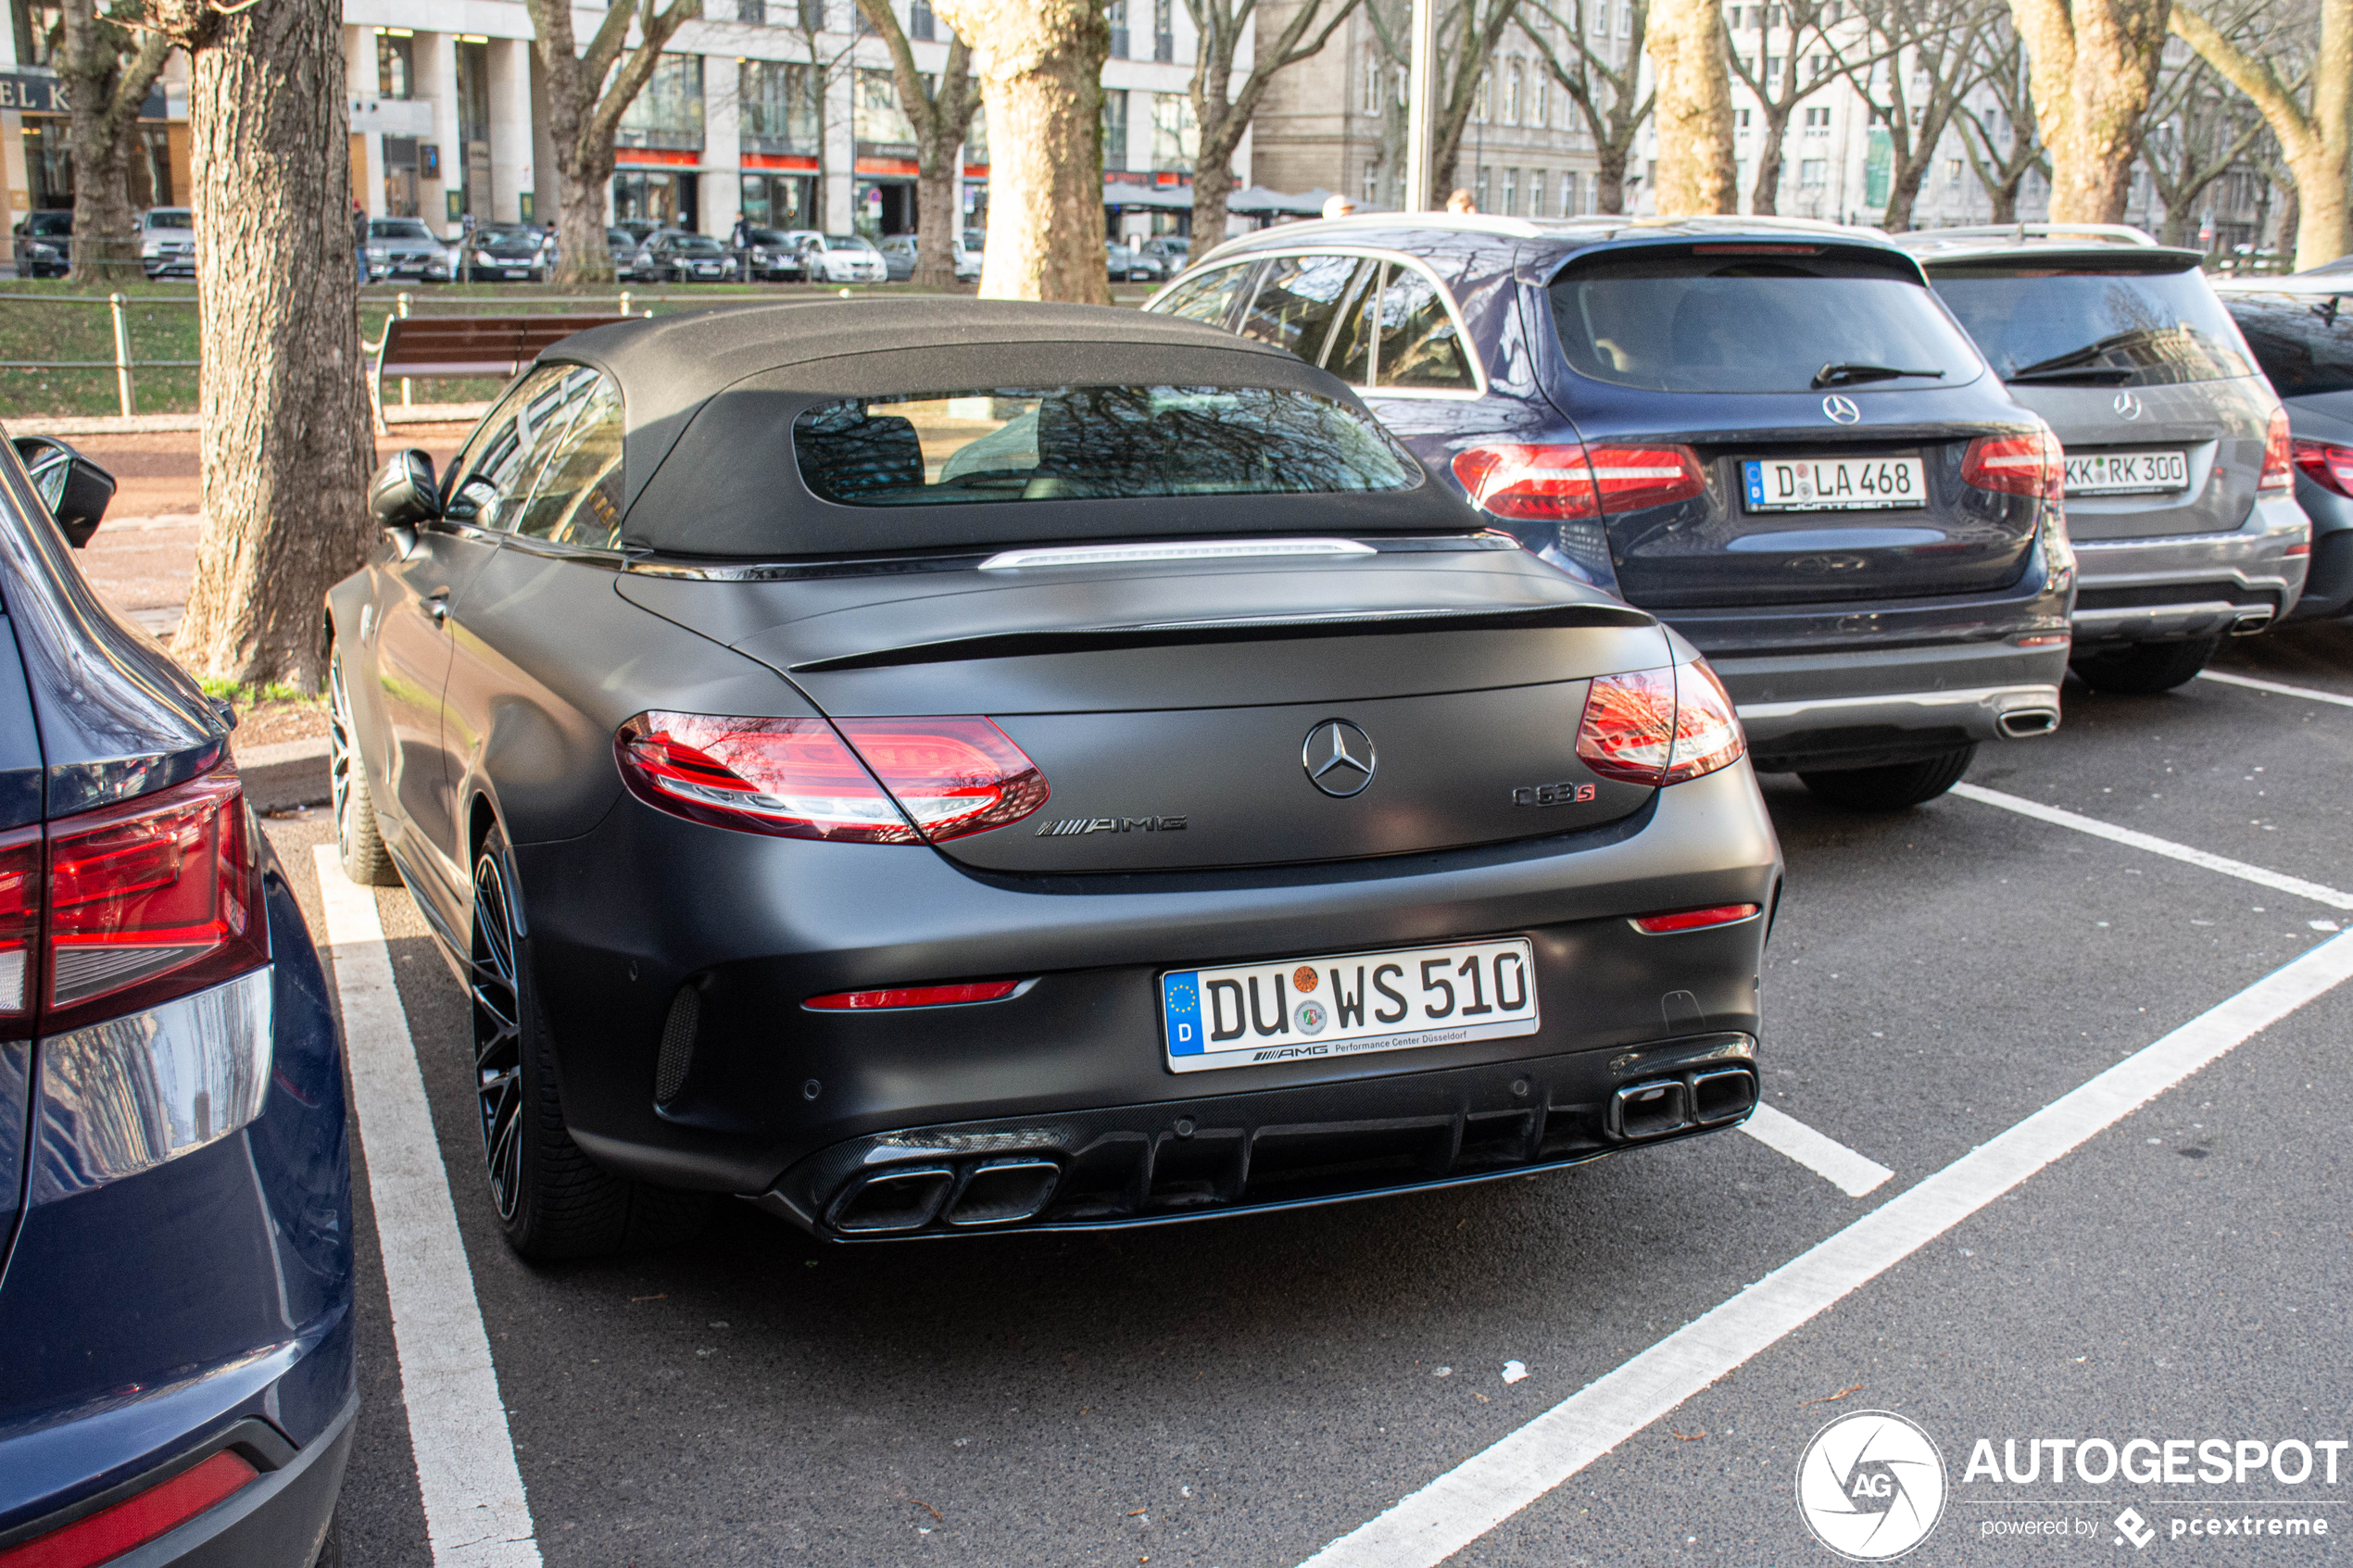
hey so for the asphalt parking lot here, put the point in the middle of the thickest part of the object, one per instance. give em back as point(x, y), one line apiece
point(2163, 1255)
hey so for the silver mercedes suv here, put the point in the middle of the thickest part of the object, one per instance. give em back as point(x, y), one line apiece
point(2180, 481)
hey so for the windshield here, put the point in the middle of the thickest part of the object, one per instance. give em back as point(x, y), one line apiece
point(2094, 326)
point(2304, 345)
point(49, 223)
point(767, 236)
point(398, 228)
point(1756, 318)
point(169, 218)
point(1072, 443)
point(695, 244)
point(846, 242)
point(506, 237)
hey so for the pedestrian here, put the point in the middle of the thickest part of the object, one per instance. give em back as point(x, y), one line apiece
point(1460, 202)
point(359, 239)
point(1338, 206)
point(741, 240)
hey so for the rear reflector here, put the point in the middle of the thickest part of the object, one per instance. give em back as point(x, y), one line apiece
point(2017, 465)
point(136, 1519)
point(2279, 454)
point(1696, 920)
point(1659, 726)
point(1568, 483)
point(2326, 465)
point(795, 778)
point(915, 997)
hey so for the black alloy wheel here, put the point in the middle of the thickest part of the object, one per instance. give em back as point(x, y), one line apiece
point(553, 1201)
point(358, 841)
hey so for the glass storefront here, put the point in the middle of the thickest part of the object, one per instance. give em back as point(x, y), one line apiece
point(780, 201)
point(780, 107)
point(664, 198)
point(883, 207)
point(668, 112)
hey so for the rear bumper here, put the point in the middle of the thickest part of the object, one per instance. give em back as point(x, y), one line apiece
point(1865, 708)
point(2193, 585)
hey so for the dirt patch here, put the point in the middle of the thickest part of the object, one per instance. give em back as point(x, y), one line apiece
point(270, 723)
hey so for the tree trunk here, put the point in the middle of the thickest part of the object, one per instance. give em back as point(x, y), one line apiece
point(1212, 187)
point(104, 94)
point(1764, 196)
point(2093, 67)
point(1042, 84)
point(2316, 147)
point(285, 448)
point(1609, 180)
point(936, 219)
point(583, 258)
point(1694, 171)
point(2003, 199)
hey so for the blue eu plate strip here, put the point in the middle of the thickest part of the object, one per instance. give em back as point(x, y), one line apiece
point(1180, 1002)
point(1755, 476)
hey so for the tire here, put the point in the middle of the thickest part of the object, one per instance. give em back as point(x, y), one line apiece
point(1893, 787)
point(552, 1200)
point(331, 1548)
point(2145, 668)
point(358, 841)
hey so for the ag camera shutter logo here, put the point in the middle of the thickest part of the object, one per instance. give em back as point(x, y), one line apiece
point(1870, 1485)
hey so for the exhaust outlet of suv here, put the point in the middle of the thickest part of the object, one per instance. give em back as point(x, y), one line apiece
point(2020, 722)
point(2249, 622)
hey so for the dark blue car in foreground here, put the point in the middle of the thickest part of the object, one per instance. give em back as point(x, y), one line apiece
point(1767, 432)
point(176, 1339)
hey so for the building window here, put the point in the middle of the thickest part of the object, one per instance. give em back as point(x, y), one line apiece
point(781, 113)
point(1514, 86)
point(668, 111)
point(1818, 66)
point(1372, 187)
point(1568, 194)
point(754, 11)
point(1175, 134)
point(1118, 30)
point(1510, 193)
point(1813, 174)
point(1740, 121)
point(1165, 36)
point(1539, 108)
point(1625, 18)
point(1952, 171)
point(1115, 130)
point(395, 65)
point(1372, 82)
point(920, 22)
point(1478, 195)
point(1818, 122)
point(39, 29)
point(1536, 194)
point(880, 116)
point(1772, 69)
point(1482, 106)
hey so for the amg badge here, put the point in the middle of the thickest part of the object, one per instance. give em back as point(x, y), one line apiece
point(1070, 825)
point(1552, 795)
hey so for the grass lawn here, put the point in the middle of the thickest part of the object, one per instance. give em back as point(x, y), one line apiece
point(52, 322)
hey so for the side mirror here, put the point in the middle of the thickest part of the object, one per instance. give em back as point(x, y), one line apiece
point(403, 494)
point(75, 489)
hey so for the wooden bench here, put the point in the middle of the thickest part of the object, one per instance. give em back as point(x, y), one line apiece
point(468, 345)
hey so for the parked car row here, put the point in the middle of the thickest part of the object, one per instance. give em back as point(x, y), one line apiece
point(167, 240)
point(1891, 490)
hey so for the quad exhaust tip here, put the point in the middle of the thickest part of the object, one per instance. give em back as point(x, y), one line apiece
point(989, 1192)
point(1708, 1099)
point(2020, 722)
point(2250, 621)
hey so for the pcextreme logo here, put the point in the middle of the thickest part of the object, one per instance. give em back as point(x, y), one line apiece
point(1870, 1485)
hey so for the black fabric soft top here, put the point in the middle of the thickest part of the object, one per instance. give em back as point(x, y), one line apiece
point(708, 401)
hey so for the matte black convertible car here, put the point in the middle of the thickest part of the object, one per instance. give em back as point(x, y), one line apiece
point(936, 765)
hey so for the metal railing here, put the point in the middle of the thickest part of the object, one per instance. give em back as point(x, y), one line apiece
point(122, 364)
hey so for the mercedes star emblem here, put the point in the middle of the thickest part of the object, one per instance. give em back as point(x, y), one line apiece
point(2128, 405)
point(1841, 408)
point(1339, 758)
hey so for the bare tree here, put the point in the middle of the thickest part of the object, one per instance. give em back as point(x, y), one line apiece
point(829, 60)
point(587, 93)
point(1041, 73)
point(1468, 33)
point(2196, 131)
point(1605, 94)
point(106, 71)
point(1779, 91)
point(941, 111)
point(1694, 171)
point(1926, 56)
point(2313, 127)
point(2093, 68)
point(285, 446)
point(2002, 154)
point(1222, 112)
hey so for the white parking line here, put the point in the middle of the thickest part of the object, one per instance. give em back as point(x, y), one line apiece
point(1483, 1491)
point(2279, 882)
point(475, 1513)
point(1825, 1157)
point(2307, 693)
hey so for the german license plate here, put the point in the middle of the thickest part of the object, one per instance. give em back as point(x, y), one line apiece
point(1301, 1009)
point(2126, 473)
point(518, 271)
point(1833, 485)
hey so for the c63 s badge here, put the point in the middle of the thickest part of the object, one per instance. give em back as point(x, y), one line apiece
point(1070, 826)
point(1562, 794)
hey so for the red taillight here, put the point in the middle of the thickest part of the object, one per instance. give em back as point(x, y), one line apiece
point(136, 1519)
point(19, 929)
point(795, 778)
point(915, 997)
point(1659, 726)
point(1562, 483)
point(2326, 465)
point(2017, 465)
point(2279, 454)
point(1696, 920)
point(149, 900)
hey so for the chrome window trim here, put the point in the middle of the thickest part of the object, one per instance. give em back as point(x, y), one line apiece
point(1453, 312)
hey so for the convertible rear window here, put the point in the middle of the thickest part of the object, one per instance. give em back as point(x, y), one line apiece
point(1753, 317)
point(2304, 345)
point(1091, 442)
point(2086, 324)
